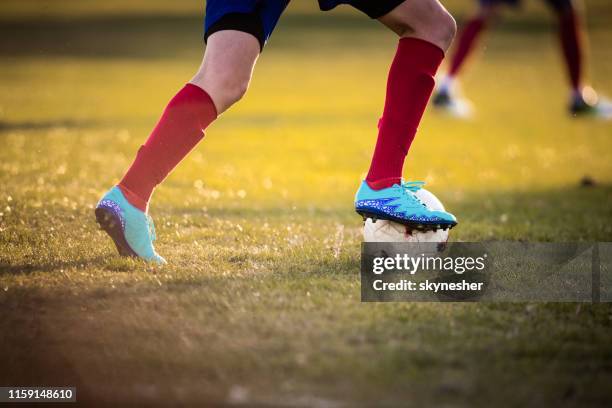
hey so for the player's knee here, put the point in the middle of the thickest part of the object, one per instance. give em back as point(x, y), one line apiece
point(234, 89)
point(443, 29)
point(225, 89)
point(438, 28)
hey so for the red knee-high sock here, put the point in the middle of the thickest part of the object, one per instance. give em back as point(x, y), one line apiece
point(569, 33)
point(409, 87)
point(179, 129)
point(466, 42)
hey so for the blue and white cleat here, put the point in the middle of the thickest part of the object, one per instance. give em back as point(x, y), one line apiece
point(400, 204)
point(450, 101)
point(588, 103)
point(131, 229)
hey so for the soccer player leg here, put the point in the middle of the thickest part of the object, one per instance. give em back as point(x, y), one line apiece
point(446, 95)
point(235, 33)
point(583, 100)
point(426, 30)
point(571, 46)
point(221, 81)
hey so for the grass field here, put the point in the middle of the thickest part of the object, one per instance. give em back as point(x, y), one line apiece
point(260, 301)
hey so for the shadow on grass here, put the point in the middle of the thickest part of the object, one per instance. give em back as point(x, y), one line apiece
point(263, 213)
point(574, 213)
point(47, 124)
point(49, 335)
point(53, 266)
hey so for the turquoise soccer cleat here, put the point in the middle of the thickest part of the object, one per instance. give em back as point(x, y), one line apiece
point(398, 203)
point(131, 229)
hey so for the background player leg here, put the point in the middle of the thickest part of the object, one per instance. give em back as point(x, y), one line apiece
point(468, 38)
point(584, 99)
point(570, 37)
point(445, 96)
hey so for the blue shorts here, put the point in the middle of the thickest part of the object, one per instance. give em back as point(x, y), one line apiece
point(259, 17)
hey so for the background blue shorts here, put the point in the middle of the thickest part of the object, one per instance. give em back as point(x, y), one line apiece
point(259, 17)
point(555, 4)
point(509, 2)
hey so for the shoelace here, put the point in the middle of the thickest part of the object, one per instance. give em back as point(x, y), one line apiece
point(413, 187)
point(151, 226)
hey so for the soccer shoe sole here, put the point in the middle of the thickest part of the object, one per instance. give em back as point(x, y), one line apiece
point(415, 225)
point(110, 223)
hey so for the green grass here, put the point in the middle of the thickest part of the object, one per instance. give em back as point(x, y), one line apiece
point(260, 301)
